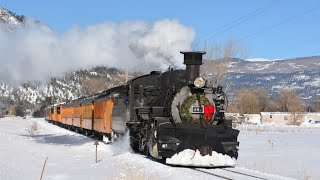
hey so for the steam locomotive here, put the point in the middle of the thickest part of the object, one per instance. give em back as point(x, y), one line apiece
point(165, 113)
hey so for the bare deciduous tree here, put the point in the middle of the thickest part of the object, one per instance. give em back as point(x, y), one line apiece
point(245, 102)
point(217, 64)
point(262, 96)
point(290, 101)
point(272, 105)
point(316, 104)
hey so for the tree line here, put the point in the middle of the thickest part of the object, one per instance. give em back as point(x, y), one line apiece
point(254, 100)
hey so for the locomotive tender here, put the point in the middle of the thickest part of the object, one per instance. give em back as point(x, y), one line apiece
point(165, 113)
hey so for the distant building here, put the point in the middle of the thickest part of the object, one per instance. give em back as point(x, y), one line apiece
point(252, 118)
point(235, 117)
point(288, 117)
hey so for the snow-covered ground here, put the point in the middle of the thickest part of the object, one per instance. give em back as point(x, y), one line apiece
point(292, 151)
point(72, 156)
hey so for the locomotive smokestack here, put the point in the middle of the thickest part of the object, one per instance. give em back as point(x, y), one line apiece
point(192, 60)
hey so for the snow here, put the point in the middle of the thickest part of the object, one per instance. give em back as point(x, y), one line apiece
point(94, 73)
point(257, 59)
point(108, 76)
point(72, 156)
point(190, 157)
point(269, 78)
point(311, 123)
point(263, 67)
point(315, 82)
point(301, 77)
point(7, 17)
point(5, 90)
point(291, 151)
point(28, 93)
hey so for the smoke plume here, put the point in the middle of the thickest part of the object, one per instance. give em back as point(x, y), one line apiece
point(35, 52)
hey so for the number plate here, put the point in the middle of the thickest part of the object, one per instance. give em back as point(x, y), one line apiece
point(197, 109)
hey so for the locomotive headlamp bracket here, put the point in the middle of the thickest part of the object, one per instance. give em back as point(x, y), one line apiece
point(199, 82)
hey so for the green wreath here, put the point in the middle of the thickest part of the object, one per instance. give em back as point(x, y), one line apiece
point(185, 108)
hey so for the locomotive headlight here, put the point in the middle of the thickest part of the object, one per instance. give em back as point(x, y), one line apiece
point(199, 82)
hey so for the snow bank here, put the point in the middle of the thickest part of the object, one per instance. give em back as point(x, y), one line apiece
point(311, 122)
point(190, 157)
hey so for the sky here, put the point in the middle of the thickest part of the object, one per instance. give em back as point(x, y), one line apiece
point(272, 29)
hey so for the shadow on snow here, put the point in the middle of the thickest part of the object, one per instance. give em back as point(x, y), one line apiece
point(60, 139)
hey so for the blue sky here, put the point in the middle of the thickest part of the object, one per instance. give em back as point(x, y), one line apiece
point(297, 35)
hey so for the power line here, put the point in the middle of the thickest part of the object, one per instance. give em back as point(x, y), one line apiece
point(280, 23)
point(240, 20)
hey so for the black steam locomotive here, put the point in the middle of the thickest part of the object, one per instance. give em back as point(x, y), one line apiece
point(176, 110)
point(165, 113)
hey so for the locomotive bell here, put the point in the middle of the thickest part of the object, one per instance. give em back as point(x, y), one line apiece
point(192, 60)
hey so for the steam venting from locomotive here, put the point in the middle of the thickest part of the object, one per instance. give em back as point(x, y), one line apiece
point(36, 52)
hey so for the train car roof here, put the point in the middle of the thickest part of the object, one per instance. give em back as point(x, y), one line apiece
point(57, 104)
point(102, 95)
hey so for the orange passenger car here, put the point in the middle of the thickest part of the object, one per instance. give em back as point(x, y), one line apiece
point(87, 114)
point(103, 115)
point(98, 115)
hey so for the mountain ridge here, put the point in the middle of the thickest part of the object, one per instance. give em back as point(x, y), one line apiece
point(6, 16)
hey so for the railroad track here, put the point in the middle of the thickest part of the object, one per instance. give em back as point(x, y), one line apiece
point(230, 174)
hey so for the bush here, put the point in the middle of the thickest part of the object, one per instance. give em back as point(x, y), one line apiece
point(32, 128)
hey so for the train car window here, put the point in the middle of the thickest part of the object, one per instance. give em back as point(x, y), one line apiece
point(136, 89)
point(52, 110)
point(58, 110)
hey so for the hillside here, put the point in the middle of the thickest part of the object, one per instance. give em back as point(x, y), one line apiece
point(300, 74)
point(276, 66)
point(66, 87)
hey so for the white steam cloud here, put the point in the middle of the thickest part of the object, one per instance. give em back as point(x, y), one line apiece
point(37, 52)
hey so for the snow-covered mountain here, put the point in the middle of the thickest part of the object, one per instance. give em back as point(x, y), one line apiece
point(306, 83)
point(275, 66)
point(9, 17)
point(67, 87)
point(300, 74)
